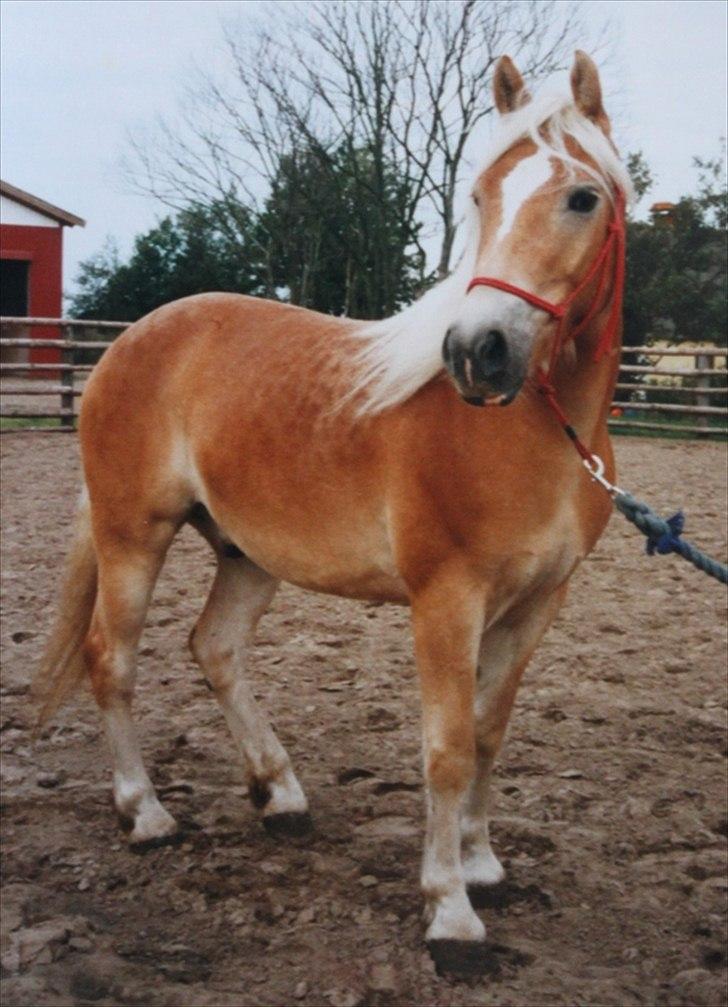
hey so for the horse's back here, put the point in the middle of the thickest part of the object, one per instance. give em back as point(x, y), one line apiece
point(177, 368)
point(235, 402)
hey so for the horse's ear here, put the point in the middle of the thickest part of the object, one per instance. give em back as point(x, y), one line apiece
point(508, 88)
point(587, 90)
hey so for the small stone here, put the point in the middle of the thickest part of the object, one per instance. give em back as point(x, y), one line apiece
point(720, 883)
point(271, 867)
point(301, 990)
point(19, 689)
point(382, 978)
point(12, 775)
point(698, 987)
point(89, 986)
point(387, 826)
point(50, 780)
point(81, 944)
point(343, 998)
point(571, 774)
point(368, 881)
point(611, 627)
point(84, 885)
point(42, 944)
point(307, 915)
point(277, 909)
point(676, 667)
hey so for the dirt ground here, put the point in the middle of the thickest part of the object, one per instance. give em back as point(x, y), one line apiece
point(610, 809)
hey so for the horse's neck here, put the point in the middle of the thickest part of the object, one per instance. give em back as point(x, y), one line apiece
point(585, 386)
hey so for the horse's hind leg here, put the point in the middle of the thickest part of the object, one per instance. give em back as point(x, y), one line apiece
point(127, 573)
point(240, 594)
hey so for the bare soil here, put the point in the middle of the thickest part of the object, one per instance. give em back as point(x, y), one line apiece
point(610, 809)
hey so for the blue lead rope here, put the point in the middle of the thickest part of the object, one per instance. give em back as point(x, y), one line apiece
point(664, 536)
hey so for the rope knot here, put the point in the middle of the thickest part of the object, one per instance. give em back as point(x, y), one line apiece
point(667, 542)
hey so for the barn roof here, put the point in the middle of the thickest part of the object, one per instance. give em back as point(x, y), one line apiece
point(40, 205)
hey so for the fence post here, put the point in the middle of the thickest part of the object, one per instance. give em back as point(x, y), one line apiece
point(703, 362)
point(68, 357)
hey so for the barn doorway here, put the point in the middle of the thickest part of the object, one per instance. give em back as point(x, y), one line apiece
point(14, 287)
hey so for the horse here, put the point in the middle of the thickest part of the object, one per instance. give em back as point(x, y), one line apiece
point(411, 460)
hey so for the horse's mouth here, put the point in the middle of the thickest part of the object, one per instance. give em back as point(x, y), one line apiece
point(478, 390)
point(491, 399)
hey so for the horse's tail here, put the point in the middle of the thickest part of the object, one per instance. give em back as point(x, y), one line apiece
point(63, 668)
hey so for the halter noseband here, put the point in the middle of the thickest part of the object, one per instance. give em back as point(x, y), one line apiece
point(615, 241)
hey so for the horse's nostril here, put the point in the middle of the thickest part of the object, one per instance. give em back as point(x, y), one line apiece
point(491, 352)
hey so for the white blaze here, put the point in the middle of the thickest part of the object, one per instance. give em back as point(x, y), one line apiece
point(518, 186)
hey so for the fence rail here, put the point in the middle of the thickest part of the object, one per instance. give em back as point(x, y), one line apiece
point(56, 379)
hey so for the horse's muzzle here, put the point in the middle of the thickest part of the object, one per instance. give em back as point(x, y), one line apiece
point(485, 368)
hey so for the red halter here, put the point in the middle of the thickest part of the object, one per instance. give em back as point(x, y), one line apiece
point(615, 241)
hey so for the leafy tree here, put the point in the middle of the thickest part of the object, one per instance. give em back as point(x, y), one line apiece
point(644, 250)
point(695, 277)
point(676, 266)
point(640, 173)
point(405, 80)
point(198, 249)
point(334, 234)
point(331, 233)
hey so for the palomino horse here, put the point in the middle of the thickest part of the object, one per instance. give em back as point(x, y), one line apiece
point(341, 456)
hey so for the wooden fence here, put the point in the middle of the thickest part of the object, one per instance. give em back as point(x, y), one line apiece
point(49, 380)
point(646, 392)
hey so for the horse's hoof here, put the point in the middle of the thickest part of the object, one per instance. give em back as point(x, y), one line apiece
point(288, 824)
point(460, 959)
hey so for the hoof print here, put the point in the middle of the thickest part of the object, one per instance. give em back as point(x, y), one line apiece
point(461, 959)
point(288, 824)
point(145, 845)
point(488, 896)
point(504, 894)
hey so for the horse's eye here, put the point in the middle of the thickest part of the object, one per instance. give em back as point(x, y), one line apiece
point(583, 200)
point(476, 200)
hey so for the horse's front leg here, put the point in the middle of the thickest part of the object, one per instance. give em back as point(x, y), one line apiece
point(504, 653)
point(447, 618)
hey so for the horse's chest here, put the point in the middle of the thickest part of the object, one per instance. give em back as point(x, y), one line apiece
point(541, 556)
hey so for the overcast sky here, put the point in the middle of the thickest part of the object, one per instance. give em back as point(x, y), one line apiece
point(78, 75)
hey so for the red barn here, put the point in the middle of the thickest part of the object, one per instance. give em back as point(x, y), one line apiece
point(31, 261)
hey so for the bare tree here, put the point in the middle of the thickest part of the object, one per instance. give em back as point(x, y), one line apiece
point(404, 80)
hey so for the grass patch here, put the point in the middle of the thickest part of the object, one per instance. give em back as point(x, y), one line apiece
point(28, 422)
point(715, 430)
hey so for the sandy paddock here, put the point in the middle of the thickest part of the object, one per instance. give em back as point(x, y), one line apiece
point(610, 798)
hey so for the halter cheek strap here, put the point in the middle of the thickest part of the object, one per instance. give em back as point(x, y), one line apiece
point(615, 242)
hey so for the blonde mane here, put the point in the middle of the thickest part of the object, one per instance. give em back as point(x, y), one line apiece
point(403, 353)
